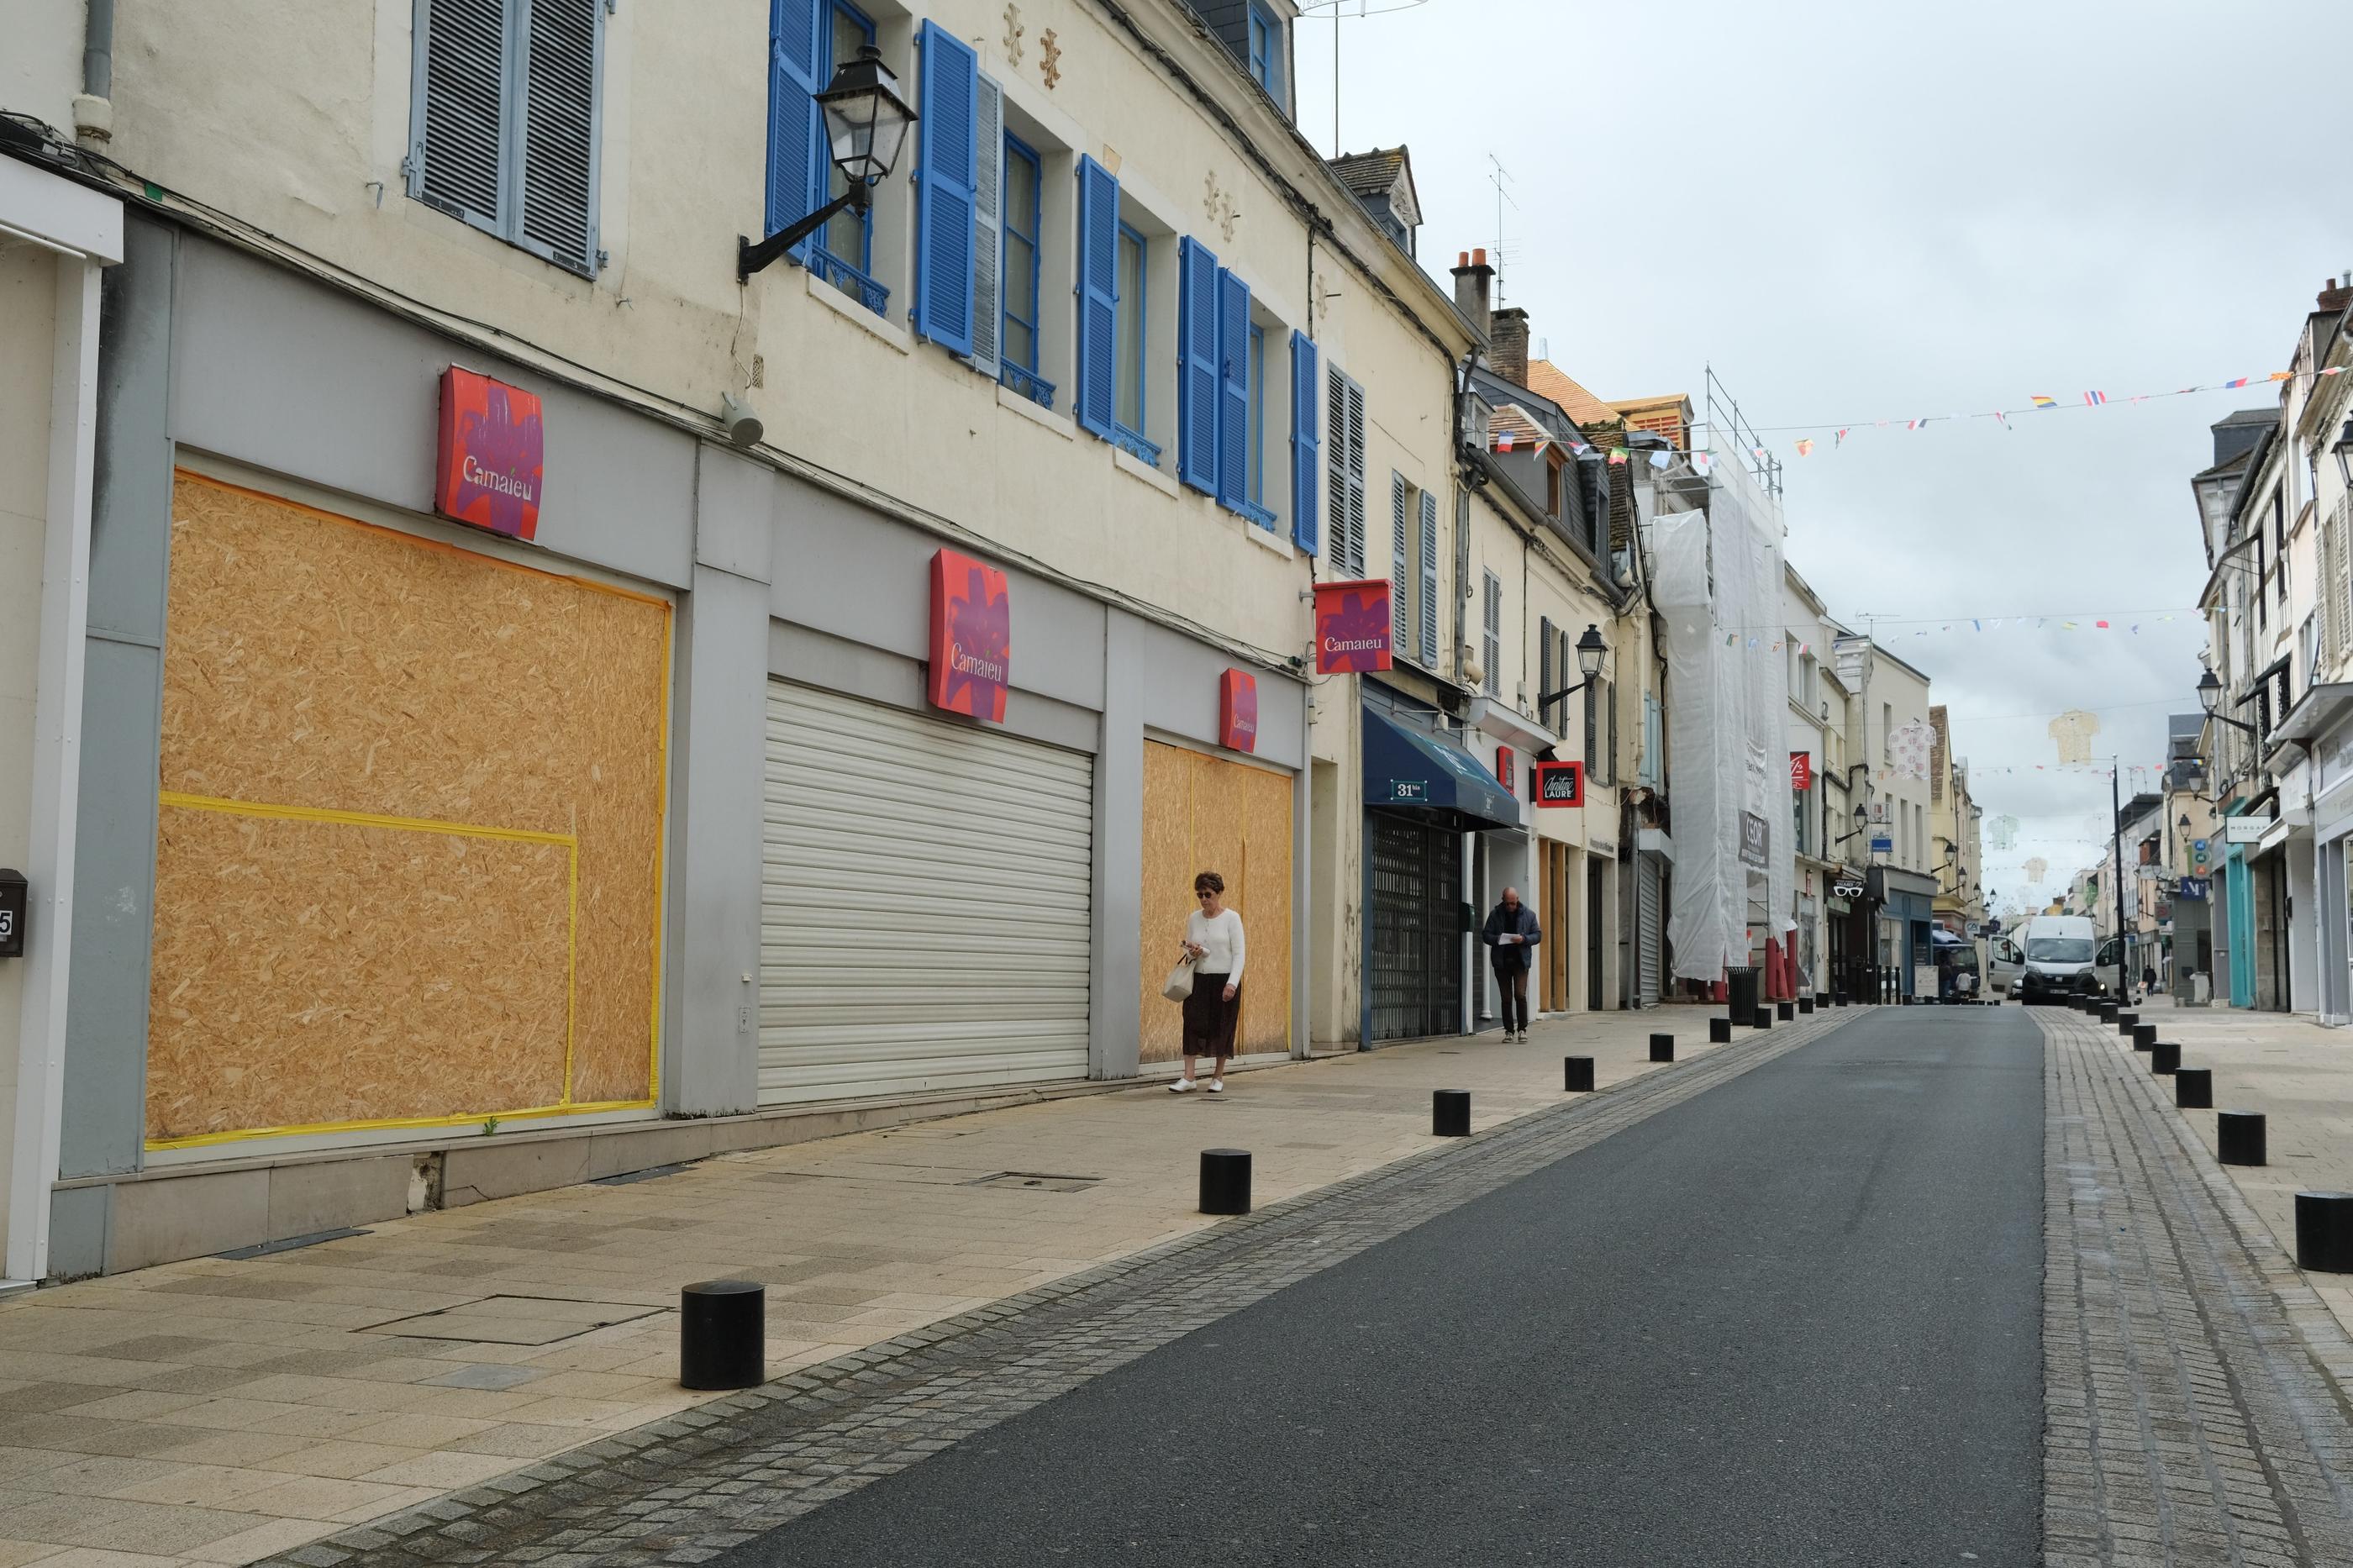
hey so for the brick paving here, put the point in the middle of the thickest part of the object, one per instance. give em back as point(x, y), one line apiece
point(686, 1489)
point(2191, 1413)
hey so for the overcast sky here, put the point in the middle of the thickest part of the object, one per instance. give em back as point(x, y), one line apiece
point(1867, 212)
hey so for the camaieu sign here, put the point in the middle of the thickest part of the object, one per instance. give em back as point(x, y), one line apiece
point(1352, 626)
point(493, 455)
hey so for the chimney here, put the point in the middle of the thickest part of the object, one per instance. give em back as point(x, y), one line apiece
point(2336, 293)
point(1473, 285)
point(1507, 336)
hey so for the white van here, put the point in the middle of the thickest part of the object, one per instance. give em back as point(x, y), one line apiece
point(2005, 965)
point(2059, 953)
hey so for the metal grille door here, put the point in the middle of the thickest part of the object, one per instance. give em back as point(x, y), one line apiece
point(1414, 976)
point(1649, 925)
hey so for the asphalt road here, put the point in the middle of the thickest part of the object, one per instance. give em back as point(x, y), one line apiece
point(1792, 1321)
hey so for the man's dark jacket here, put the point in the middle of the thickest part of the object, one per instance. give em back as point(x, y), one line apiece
point(1504, 921)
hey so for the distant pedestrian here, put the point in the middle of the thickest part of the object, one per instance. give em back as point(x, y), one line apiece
point(1510, 931)
point(2149, 979)
point(1213, 939)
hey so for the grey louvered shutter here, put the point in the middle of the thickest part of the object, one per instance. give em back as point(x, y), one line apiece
point(1610, 756)
point(988, 235)
point(1430, 580)
point(458, 146)
point(1543, 672)
point(564, 49)
point(1356, 474)
point(1401, 557)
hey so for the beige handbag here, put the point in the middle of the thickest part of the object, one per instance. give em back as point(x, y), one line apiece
point(1178, 986)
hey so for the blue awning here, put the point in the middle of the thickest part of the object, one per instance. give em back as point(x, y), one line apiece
point(1407, 769)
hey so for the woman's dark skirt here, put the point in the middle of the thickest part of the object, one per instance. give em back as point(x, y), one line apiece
point(1209, 1018)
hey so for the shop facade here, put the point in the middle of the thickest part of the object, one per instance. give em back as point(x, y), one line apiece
point(491, 786)
point(1905, 904)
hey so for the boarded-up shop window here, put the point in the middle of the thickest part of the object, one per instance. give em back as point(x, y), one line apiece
point(409, 855)
point(1204, 813)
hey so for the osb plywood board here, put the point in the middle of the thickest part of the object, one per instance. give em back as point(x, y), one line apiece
point(1204, 813)
point(318, 663)
point(328, 972)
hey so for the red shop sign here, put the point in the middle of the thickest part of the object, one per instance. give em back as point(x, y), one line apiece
point(1352, 626)
point(493, 452)
point(972, 637)
point(1802, 770)
point(1560, 783)
point(1506, 769)
point(1238, 710)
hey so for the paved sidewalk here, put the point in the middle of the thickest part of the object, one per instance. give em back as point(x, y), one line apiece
point(2300, 1076)
point(220, 1411)
point(2192, 1385)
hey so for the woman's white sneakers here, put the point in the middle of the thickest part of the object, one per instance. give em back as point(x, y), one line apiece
point(1182, 1086)
point(1216, 1086)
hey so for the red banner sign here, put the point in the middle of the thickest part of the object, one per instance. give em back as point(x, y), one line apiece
point(1507, 769)
point(1802, 770)
point(493, 453)
point(1560, 783)
point(1238, 710)
point(972, 637)
point(1352, 626)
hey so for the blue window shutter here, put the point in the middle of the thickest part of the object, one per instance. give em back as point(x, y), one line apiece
point(1196, 366)
point(796, 140)
point(1098, 296)
point(1430, 654)
point(948, 123)
point(1233, 390)
point(1306, 445)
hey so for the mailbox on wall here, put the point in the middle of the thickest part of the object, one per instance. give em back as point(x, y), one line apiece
point(13, 891)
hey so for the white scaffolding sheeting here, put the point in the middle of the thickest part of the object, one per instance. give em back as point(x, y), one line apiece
point(1719, 591)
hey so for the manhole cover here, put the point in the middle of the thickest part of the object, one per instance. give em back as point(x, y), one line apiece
point(1033, 1181)
point(513, 1321)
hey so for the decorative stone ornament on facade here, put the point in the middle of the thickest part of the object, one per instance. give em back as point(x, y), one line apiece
point(972, 637)
point(1049, 65)
point(493, 451)
point(1013, 32)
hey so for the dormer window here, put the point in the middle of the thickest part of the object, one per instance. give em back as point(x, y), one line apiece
point(1266, 51)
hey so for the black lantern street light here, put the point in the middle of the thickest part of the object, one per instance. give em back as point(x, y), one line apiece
point(2344, 450)
point(865, 128)
point(1591, 650)
point(2210, 692)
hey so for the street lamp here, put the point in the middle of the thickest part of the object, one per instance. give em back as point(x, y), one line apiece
point(865, 127)
point(2210, 691)
point(2344, 450)
point(1591, 650)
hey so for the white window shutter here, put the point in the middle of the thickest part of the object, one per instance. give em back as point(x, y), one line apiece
point(987, 228)
point(1429, 579)
point(565, 45)
point(1401, 554)
point(457, 152)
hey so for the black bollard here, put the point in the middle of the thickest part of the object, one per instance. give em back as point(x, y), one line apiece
point(1576, 1075)
point(1785, 1011)
point(722, 1339)
point(2165, 1059)
point(2324, 1232)
point(1719, 1031)
point(1225, 1180)
point(2107, 1012)
point(1822, 1000)
point(2193, 1089)
point(1806, 1005)
point(1838, 998)
point(1450, 1113)
point(2144, 1036)
point(2239, 1138)
point(1764, 1019)
point(2125, 1022)
point(1662, 1047)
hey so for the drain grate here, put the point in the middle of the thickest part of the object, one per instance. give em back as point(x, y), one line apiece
point(1036, 1181)
point(630, 1178)
point(290, 1243)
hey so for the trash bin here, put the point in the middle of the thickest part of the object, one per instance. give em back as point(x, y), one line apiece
point(1742, 1001)
point(2201, 990)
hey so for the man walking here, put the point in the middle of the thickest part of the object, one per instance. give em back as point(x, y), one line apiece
point(1510, 931)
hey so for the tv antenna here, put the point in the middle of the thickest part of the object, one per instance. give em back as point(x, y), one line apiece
point(1499, 179)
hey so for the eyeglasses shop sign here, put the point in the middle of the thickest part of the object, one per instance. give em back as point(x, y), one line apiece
point(1755, 835)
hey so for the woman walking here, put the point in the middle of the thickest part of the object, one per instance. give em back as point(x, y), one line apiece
point(1213, 938)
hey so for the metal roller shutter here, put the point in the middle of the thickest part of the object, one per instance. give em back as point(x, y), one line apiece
point(1649, 926)
point(925, 894)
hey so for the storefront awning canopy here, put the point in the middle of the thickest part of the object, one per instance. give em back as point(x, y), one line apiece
point(1408, 769)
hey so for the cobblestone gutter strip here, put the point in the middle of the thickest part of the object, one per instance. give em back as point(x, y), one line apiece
point(686, 1489)
point(2190, 1415)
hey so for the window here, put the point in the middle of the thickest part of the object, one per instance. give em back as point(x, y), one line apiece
point(848, 236)
point(1135, 310)
point(1257, 492)
point(1799, 801)
point(1266, 51)
point(1345, 447)
point(1600, 728)
point(503, 121)
point(807, 39)
point(1887, 731)
point(1491, 636)
point(1025, 187)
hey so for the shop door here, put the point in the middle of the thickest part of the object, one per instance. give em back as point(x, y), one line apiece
point(1593, 900)
point(1414, 974)
point(1554, 947)
point(926, 901)
point(1650, 921)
